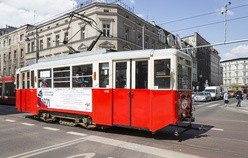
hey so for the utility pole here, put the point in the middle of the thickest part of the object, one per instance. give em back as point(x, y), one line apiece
point(37, 45)
point(224, 11)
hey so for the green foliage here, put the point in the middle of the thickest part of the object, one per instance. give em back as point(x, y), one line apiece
point(234, 86)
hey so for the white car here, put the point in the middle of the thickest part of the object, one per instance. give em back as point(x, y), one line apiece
point(202, 96)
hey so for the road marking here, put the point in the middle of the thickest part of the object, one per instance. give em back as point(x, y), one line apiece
point(52, 129)
point(27, 124)
point(213, 105)
point(47, 149)
point(76, 133)
point(139, 148)
point(9, 120)
point(217, 129)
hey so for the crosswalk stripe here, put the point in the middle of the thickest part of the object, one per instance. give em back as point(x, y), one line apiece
point(27, 124)
point(210, 106)
point(52, 129)
point(9, 120)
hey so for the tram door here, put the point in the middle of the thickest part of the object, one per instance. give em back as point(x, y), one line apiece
point(129, 78)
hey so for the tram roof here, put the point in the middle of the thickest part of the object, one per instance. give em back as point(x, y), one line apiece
point(100, 55)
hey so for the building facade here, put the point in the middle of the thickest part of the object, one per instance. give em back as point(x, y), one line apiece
point(235, 73)
point(12, 50)
point(121, 30)
point(206, 63)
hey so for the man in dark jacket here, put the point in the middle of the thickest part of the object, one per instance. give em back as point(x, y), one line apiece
point(239, 98)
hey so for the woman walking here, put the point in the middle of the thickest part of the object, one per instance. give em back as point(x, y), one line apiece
point(226, 101)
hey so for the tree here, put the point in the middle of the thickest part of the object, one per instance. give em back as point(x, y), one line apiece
point(234, 86)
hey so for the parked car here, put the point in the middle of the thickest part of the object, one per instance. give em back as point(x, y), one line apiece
point(202, 96)
point(193, 94)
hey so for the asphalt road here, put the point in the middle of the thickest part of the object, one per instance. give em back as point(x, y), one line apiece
point(218, 132)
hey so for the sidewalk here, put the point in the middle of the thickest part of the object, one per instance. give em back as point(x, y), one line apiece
point(243, 108)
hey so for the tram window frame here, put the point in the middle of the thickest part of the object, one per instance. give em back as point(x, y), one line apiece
point(61, 77)
point(28, 79)
point(184, 76)
point(162, 73)
point(82, 75)
point(103, 75)
point(32, 79)
point(17, 81)
point(44, 78)
point(141, 74)
point(23, 81)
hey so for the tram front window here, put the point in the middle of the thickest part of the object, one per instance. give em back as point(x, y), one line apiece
point(162, 75)
point(184, 77)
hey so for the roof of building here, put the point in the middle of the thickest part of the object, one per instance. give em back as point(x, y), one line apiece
point(236, 59)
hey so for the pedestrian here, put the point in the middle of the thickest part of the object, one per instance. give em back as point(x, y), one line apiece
point(226, 101)
point(239, 97)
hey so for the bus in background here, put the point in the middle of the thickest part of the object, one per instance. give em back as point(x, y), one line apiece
point(144, 89)
point(7, 90)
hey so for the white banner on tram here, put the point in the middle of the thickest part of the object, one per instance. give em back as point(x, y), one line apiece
point(68, 99)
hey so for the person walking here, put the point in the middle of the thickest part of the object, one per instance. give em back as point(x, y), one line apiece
point(239, 98)
point(225, 97)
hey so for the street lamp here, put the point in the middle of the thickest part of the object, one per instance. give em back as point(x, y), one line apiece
point(224, 11)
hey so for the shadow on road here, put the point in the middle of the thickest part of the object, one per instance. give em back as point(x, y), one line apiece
point(167, 133)
point(182, 133)
point(8, 110)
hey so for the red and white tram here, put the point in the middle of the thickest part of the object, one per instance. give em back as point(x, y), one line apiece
point(7, 90)
point(145, 89)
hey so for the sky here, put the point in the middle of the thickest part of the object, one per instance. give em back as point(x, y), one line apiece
point(182, 17)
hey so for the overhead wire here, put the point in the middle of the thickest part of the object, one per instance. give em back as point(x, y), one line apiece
point(201, 15)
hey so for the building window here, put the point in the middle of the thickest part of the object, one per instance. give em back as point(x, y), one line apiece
point(82, 32)
point(65, 37)
point(41, 44)
point(106, 30)
point(15, 54)
point(48, 42)
point(9, 55)
point(9, 41)
point(57, 40)
point(29, 47)
point(32, 46)
point(21, 37)
point(147, 42)
point(126, 34)
point(21, 53)
point(139, 40)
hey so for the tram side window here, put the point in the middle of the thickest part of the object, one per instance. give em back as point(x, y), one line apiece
point(61, 77)
point(17, 81)
point(32, 79)
point(28, 79)
point(23, 81)
point(162, 75)
point(141, 74)
point(121, 75)
point(44, 78)
point(82, 75)
point(103, 75)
